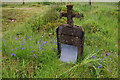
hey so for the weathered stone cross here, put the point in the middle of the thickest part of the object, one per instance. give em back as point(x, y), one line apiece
point(70, 38)
point(69, 14)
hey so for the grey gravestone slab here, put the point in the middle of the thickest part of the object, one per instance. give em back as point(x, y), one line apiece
point(68, 53)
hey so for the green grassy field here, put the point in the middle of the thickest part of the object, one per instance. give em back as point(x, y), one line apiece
point(29, 48)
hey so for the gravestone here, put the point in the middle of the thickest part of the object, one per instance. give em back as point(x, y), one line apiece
point(70, 37)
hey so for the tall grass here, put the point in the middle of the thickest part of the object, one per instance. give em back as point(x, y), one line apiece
point(30, 50)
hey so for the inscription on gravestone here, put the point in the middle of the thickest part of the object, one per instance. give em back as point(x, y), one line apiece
point(70, 37)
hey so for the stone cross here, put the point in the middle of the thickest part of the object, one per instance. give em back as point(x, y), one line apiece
point(69, 14)
point(70, 38)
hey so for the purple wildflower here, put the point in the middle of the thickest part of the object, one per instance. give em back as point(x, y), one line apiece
point(16, 48)
point(13, 54)
point(30, 47)
point(16, 38)
point(115, 65)
point(19, 44)
point(19, 38)
point(108, 54)
point(51, 48)
point(56, 48)
point(101, 61)
point(45, 42)
point(88, 50)
point(85, 66)
point(38, 41)
point(109, 58)
point(30, 39)
point(11, 49)
point(89, 63)
point(0, 50)
point(40, 48)
point(91, 56)
point(55, 42)
point(100, 65)
point(22, 48)
point(5, 45)
point(35, 56)
point(96, 49)
point(32, 50)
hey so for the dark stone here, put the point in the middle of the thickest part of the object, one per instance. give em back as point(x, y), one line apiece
point(71, 36)
point(68, 33)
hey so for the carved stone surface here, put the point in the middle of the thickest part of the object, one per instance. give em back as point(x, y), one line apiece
point(71, 36)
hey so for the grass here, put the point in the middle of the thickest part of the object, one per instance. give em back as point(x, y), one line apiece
point(29, 48)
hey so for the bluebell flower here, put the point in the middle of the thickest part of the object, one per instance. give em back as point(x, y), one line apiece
point(91, 56)
point(55, 42)
point(108, 54)
point(16, 48)
point(5, 45)
point(38, 41)
point(96, 49)
point(19, 38)
point(89, 63)
point(13, 54)
point(40, 48)
point(35, 56)
point(19, 41)
point(16, 38)
point(85, 66)
point(19, 44)
point(109, 58)
point(32, 50)
point(0, 50)
point(45, 42)
point(115, 65)
point(11, 49)
point(30, 47)
point(22, 48)
point(30, 39)
point(101, 61)
point(88, 50)
point(100, 65)
point(51, 48)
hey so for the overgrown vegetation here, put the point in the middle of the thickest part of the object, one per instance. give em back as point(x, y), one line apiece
point(29, 50)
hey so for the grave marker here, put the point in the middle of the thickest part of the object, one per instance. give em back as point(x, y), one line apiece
point(70, 37)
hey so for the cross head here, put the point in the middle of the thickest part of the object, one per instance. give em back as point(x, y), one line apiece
point(69, 14)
